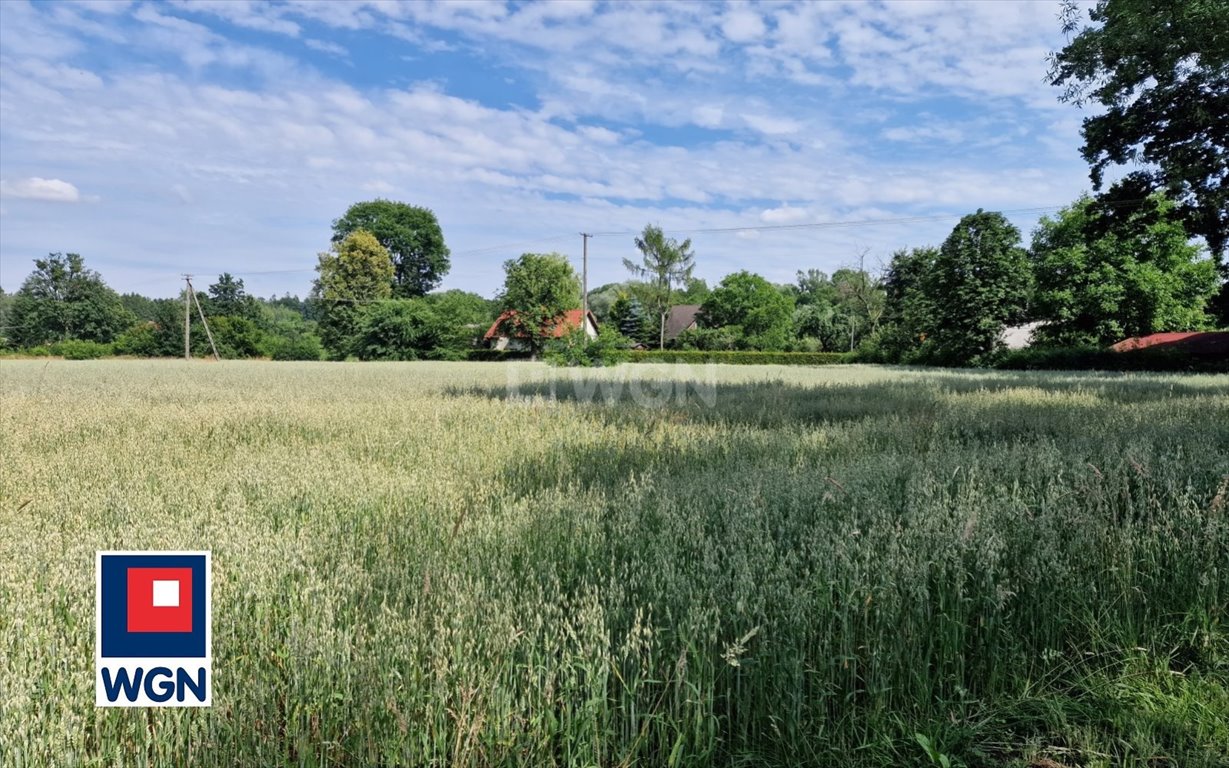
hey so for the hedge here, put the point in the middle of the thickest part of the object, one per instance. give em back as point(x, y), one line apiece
point(739, 358)
point(1095, 358)
point(496, 355)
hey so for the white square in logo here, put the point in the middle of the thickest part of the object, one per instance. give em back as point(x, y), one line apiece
point(166, 594)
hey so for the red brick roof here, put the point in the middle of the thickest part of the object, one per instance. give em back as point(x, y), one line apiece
point(1194, 342)
point(568, 323)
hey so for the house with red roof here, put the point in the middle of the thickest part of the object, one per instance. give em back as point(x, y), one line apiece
point(1201, 343)
point(497, 336)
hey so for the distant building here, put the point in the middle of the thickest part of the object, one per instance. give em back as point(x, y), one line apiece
point(681, 317)
point(1202, 343)
point(1019, 336)
point(497, 337)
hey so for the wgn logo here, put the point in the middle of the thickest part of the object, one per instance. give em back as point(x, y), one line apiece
point(152, 647)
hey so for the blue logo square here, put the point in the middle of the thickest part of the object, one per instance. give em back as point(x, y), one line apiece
point(114, 635)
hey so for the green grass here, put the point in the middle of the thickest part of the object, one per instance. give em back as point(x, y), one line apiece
point(468, 564)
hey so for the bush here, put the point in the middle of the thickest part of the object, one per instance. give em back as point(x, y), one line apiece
point(740, 358)
point(496, 355)
point(304, 346)
point(577, 349)
point(725, 338)
point(1097, 358)
point(79, 349)
point(140, 340)
point(237, 337)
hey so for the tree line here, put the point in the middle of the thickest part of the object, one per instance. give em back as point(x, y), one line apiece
point(1093, 274)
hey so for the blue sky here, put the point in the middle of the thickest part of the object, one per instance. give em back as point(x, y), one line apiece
point(223, 135)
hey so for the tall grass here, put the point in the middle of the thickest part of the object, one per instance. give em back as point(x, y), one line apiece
point(448, 564)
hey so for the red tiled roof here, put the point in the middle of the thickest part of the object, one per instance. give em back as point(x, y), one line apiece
point(569, 322)
point(1194, 342)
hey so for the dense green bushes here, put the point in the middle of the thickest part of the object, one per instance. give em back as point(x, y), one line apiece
point(80, 349)
point(1096, 358)
point(739, 358)
point(496, 355)
point(577, 349)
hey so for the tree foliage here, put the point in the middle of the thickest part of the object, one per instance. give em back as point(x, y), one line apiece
point(62, 299)
point(909, 314)
point(412, 237)
point(6, 307)
point(538, 289)
point(355, 271)
point(439, 326)
point(396, 329)
point(665, 262)
point(1098, 283)
point(979, 284)
point(227, 297)
point(628, 316)
point(837, 312)
point(755, 306)
point(1160, 70)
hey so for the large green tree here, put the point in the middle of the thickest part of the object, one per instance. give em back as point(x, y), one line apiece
point(355, 271)
point(6, 305)
point(1098, 283)
point(412, 236)
point(979, 284)
point(748, 302)
point(538, 289)
point(62, 299)
point(860, 303)
point(664, 263)
point(908, 309)
point(1159, 71)
point(227, 297)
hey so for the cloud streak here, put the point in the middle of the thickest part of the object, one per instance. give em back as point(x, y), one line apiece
point(35, 188)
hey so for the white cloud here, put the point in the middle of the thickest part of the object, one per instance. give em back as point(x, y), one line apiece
point(925, 133)
point(264, 17)
point(785, 214)
point(324, 46)
point(742, 25)
point(768, 124)
point(36, 188)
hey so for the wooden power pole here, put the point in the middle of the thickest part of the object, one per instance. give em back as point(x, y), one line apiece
point(584, 282)
point(190, 296)
point(187, 317)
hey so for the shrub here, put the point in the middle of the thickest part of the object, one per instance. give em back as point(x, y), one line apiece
point(237, 337)
point(140, 340)
point(1097, 358)
point(728, 338)
point(80, 349)
point(496, 355)
point(739, 358)
point(303, 346)
point(577, 349)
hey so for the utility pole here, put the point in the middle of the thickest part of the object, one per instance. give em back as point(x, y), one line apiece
point(204, 322)
point(584, 282)
point(187, 317)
